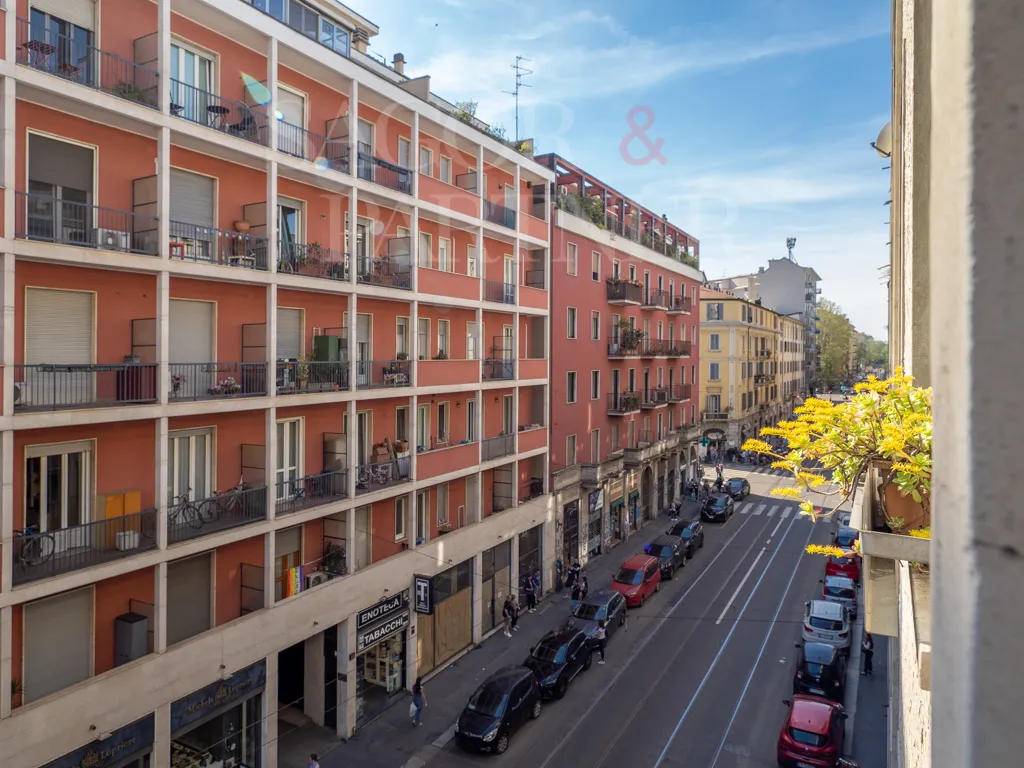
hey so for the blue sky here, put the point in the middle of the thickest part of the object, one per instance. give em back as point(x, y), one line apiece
point(766, 107)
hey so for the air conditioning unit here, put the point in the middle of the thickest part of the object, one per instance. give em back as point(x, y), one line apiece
point(112, 240)
point(315, 578)
point(22, 394)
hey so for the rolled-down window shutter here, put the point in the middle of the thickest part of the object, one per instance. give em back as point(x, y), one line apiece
point(58, 653)
point(188, 598)
point(288, 541)
point(58, 326)
point(81, 13)
point(289, 333)
point(191, 198)
point(60, 163)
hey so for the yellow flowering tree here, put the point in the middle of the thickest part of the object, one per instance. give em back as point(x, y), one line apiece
point(886, 421)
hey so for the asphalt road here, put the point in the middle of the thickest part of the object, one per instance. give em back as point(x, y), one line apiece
point(699, 677)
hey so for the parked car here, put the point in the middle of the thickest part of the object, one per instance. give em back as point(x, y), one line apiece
point(690, 531)
point(600, 605)
point(812, 736)
point(671, 554)
point(737, 487)
point(826, 622)
point(820, 671)
point(557, 658)
point(839, 589)
point(845, 536)
point(718, 507)
point(497, 709)
point(848, 565)
point(637, 579)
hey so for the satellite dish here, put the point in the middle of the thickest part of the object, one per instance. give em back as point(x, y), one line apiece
point(883, 144)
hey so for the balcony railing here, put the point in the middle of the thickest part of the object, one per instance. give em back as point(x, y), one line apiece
point(45, 555)
point(217, 246)
point(655, 396)
point(678, 348)
point(377, 476)
point(499, 291)
point(656, 300)
point(385, 271)
point(714, 416)
point(621, 403)
point(219, 512)
point(311, 491)
point(230, 117)
point(312, 260)
point(677, 393)
point(499, 214)
point(381, 374)
point(303, 377)
point(382, 172)
point(54, 387)
point(654, 348)
point(625, 344)
point(211, 381)
point(681, 304)
point(624, 292)
point(298, 142)
point(48, 219)
point(499, 369)
point(41, 47)
point(497, 447)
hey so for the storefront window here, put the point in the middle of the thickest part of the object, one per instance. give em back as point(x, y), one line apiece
point(380, 674)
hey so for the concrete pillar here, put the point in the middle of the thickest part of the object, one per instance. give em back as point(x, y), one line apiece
point(353, 368)
point(976, 231)
point(478, 597)
point(162, 456)
point(480, 184)
point(163, 31)
point(271, 218)
point(269, 712)
point(161, 756)
point(163, 197)
point(353, 469)
point(160, 607)
point(347, 704)
point(414, 150)
point(6, 658)
point(272, 55)
point(414, 407)
point(313, 679)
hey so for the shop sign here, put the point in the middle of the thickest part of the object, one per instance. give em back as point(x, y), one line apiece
point(373, 636)
point(632, 480)
point(615, 490)
point(133, 739)
point(198, 705)
point(423, 594)
point(380, 610)
point(714, 434)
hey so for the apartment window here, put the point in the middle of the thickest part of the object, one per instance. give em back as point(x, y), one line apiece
point(57, 486)
point(404, 152)
point(595, 325)
point(570, 258)
point(422, 513)
point(287, 556)
point(426, 162)
point(661, 330)
point(570, 387)
point(446, 170)
point(444, 254)
point(570, 323)
point(595, 446)
point(402, 337)
point(443, 413)
point(424, 250)
point(661, 424)
point(714, 311)
point(442, 504)
point(615, 437)
point(402, 422)
point(714, 403)
point(423, 338)
point(616, 269)
point(189, 464)
point(632, 272)
point(595, 385)
point(570, 450)
point(471, 341)
point(400, 502)
point(595, 266)
point(289, 457)
point(713, 371)
point(443, 327)
point(471, 420)
point(714, 342)
point(671, 287)
point(661, 284)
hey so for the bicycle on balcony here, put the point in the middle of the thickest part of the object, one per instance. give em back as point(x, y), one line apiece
point(36, 547)
point(182, 511)
point(379, 474)
point(223, 502)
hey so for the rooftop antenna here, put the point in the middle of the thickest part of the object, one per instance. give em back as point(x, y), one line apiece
point(790, 245)
point(521, 71)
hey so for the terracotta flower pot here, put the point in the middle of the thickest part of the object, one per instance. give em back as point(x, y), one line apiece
point(900, 507)
point(242, 226)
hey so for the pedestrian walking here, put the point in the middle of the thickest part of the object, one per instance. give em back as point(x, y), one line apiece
point(514, 600)
point(867, 650)
point(584, 587)
point(314, 761)
point(576, 590)
point(419, 701)
point(506, 616)
point(536, 586)
point(531, 593)
point(601, 635)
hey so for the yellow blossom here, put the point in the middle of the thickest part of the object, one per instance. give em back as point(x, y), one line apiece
point(921, 533)
point(758, 446)
point(827, 551)
point(792, 493)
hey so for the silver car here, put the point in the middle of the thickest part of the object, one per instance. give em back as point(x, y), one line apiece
point(842, 590)
point(828, 623)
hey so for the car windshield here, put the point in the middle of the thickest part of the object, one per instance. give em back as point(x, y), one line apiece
point(589, 612)
point(734, 483)
point(807, 738)
point(487, 701)
point(843, 593)
point(550, 651)
point(629, 577)
point(845, 539)
point(718, 501)
point(841, 560)
point(826, 624)
point(663, 550)
point(685, 533)
point(814, 670)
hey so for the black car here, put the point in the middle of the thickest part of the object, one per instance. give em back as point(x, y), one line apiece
point(718, 506)
point(600, 605)
point(820, 671)
point(557, 659)
point(671, 554)
point(498, 708)
point(690, 531)
point(737, 487)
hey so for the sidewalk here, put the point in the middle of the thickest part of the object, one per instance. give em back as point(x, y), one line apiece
point(871, 726)
point(391, 741)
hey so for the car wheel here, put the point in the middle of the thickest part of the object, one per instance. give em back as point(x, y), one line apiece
point(671, 573)
point(588, 662)
point(701, 545)
point(560, 687)
point(657, 587)
point(622, 619)
point(536, 709)
point(502, 744)
point(641, 602)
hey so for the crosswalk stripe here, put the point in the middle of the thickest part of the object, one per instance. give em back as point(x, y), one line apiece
point(772, 510)
point(785, 512)
point(760, 509)
point(746, 507)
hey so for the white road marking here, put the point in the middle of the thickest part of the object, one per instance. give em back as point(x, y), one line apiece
point(760, 509)
point(772, 510)
point(777, 526)
point(746, 576)
point(746, 507)
point(785, 512)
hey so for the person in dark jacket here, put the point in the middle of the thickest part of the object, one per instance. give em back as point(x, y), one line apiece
point(531, 593)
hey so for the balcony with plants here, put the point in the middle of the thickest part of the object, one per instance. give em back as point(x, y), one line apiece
point(622, 292)
point(626, 341)
point(624, 403)
point(680, 305)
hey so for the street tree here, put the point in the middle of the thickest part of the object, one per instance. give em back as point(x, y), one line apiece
point(836, 331)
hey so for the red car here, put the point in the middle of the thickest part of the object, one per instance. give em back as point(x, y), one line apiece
point(813, 734)
point(848, 565)
point(637, 579)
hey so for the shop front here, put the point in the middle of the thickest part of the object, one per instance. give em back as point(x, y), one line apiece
point(618, 517)
point(221, 725)
point(529, 556)
point(595, 511)
point(495, 583)
point(635, 519)
point(127, 747)
point(380, 655)
point(672, 486)
point(441, 635)
point(570, 533)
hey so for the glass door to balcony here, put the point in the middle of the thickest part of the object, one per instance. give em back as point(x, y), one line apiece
point(509, 278)
point(506, 342)
point(288, 455)
point(471, 353)
point(507, 415)
point(510, 197)
point(714, 403)
point(363, 357)
point(63, 46)
point(289, 231)
point(422, 516)
point(189, 465)
point(191, 85)
point(471, 268)
point(423, 427)
point(364, 435)
point(291, 117)
point(471, 420)
point(57, 492)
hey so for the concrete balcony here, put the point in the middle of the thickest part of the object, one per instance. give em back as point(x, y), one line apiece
point(680, 305)
point(623, 403)
point(622, 293)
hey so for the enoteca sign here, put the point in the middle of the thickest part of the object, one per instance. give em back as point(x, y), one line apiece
point(388, 606)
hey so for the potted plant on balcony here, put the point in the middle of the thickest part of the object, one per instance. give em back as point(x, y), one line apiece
point(886, 427)
point(226, 386)
point(442, 355)
point(177, 380)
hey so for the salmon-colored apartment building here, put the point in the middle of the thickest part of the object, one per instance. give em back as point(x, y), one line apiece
point(624, 337)
point(275, 380)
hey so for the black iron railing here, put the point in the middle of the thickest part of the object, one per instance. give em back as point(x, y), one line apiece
point(625, 345)
point(53, 387)
point(497, 447)
point(193, 519)
point(39, 555)
point(714, 416)
point(655, 396)
point(677, 393)
point(212, 111)
point(620, 403)
point(49, 219)
point(218, 246)
point(382, 172)
point(678, 348)
point(377, 476)
point(655, 300)
point(623, 291)
point(499, 369)
point(380, 374)
point(499, 214)
point(680, 304)
point(302, 377)
point(308, 145)
point(209, 381)
point(385, 271)
point(654, 347)
point(499, 291)
point(311, 491)
point(312, 260)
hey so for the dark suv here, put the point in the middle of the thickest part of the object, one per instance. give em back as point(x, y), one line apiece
point(498, 708)
point(671, 554)
point(690, 531)
point(557, 658)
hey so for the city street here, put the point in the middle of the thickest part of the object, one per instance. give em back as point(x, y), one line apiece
point(698, 679)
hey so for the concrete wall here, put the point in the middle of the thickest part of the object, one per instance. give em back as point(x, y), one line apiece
point(915, 713)
point(782, 286)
